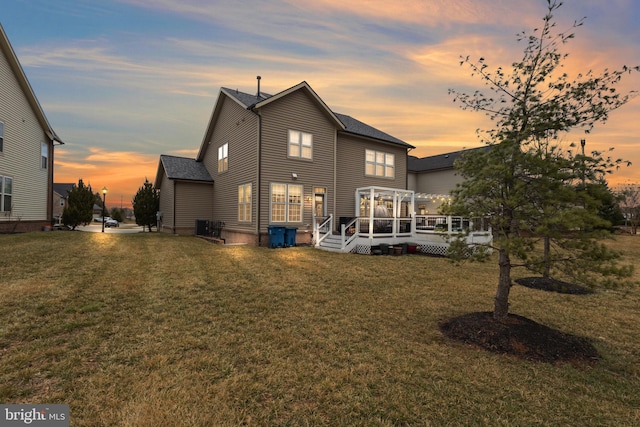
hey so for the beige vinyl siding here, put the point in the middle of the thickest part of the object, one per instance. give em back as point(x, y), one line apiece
point(239, 128)
point(193, 201)
point(350, 170)
point(297, 111)
point(436, 182)
point(166, 203)
point(21, 157)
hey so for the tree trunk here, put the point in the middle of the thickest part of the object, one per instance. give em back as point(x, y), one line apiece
point(501, 303)
point(547, 257)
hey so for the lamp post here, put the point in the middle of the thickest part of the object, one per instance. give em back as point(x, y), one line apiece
point(104, 204)
point(583, 142)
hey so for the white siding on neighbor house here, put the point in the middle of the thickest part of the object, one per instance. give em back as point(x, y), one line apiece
point(21, 156)
point(166, 202)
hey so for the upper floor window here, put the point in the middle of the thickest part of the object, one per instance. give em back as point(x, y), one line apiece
point(45, 155)
point(286, 203)
point(6, 191)
point(300, 144)
point(1, 137)
point(378, 163)
point(244, 203)
point(223, 158)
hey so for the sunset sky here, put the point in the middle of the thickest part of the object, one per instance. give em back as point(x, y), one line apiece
point(124, 81)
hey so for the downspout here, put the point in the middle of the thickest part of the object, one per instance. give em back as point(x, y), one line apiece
point(335, 176)
point(49, 219)
point(258, 179)
point(174, 207)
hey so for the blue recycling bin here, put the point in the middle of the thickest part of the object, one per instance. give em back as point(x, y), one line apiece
point(290, 236)
point(276, 236)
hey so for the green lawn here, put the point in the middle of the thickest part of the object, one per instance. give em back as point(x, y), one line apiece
point(157, 330)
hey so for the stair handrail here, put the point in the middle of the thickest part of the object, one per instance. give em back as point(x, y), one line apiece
point(319, 236)
point(347, 239)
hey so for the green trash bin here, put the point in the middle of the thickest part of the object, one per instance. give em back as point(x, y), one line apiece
point(276, 236)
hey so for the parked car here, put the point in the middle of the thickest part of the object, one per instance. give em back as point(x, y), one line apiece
point(111, 223)
point(100, 218)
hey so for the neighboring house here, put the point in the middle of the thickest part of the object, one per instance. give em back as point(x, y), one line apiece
point(60, 200)
point(285, 159)
point(432, 178)
point(26, 150)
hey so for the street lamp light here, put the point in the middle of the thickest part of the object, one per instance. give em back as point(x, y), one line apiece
point(104, 204)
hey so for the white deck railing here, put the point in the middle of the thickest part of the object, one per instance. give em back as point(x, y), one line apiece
point(417, 228)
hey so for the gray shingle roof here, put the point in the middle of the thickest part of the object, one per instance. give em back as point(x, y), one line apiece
point(246, 99)
point(184, 169)
point(438, 162)
point(352, 125)
point(62, 189)
point(359, 128)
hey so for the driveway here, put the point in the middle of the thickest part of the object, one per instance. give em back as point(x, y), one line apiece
point(96, 227)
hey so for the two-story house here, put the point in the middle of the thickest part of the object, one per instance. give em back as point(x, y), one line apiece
point(285, 159)
point(26, 150)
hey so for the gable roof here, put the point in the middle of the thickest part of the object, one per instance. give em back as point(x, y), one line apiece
point(437, 162)
point(183, 169)
point(62, 189)
point(359, 128)
point(14, 63)
point(252, 102)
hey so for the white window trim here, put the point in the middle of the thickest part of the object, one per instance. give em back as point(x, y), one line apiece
point(299, 143)
point(223, 156)
point(44, 159)
point(287, 203)
point(384, 165)
point(4, 208)
point(242, 203)
point(1, 137)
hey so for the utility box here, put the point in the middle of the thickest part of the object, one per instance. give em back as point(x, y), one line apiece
point(202, 227)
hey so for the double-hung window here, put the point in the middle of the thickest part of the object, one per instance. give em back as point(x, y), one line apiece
point(45, 155)
point(300, 145)
point(223, 157)
point(379, 163)
point(1, 137)
point(286, 203)
point(6, 191)
point(244, 203)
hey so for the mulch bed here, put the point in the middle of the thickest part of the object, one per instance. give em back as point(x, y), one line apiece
point(553, 285)
point(519, 337)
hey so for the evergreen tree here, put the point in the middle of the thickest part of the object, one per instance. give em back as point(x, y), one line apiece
point(526, 184)
point(79, 209)
point(116, 213)
point(146, 204)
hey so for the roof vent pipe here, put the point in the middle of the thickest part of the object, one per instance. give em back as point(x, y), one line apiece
point(258, 77)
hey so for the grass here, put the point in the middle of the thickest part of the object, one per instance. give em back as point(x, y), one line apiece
point(149, 329)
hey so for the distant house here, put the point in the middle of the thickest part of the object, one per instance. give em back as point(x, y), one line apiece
point(60, 200)
point(276, 160)
point(433, 177)
point(26, 149)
